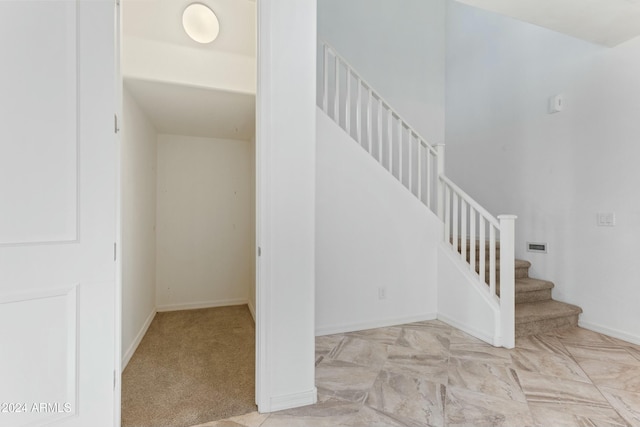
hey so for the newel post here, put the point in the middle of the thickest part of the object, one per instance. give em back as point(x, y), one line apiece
point(440, 184)
point(507, 280)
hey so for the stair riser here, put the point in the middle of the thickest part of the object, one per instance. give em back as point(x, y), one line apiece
point(486, 254)
point(534, 296)
point(531, 296)
point(468, 241)
point(486, 260)
point(545, 325)
point(520, 272)
point(477, 251)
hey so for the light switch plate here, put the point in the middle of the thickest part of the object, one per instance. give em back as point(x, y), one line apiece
point(606, 219)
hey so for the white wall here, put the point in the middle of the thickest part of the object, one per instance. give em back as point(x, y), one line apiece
point(204, 251)
point(138, 169)
point(371, 233)
point(398, 49)
point(555, 171)
point(286, 203)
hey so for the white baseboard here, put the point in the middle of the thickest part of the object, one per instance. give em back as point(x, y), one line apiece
point(202, 304)
point(469, 330)
point(381, 323)
point(252, 309)
point(294, 400)
point(615, 333)
point(136, 342)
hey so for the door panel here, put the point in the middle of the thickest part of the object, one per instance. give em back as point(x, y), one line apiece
point(57, 212)
point(40, 116)
point(52, 331)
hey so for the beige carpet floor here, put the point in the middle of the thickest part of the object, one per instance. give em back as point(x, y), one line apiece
point(191, 367)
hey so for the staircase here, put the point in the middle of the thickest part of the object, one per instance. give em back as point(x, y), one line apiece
point(524, 306)
point(536, 312)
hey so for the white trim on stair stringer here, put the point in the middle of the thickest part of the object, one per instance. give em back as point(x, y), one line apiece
point(615, 333)
point(136, 342)
point(382, 323)
point(294, 400)
point(489, 339)
point(204, 304)
point(492, 302)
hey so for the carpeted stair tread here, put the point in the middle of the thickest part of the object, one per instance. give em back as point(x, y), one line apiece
point(521, 268)
point(541, 310)
point(534, 318)
point(468, 244)
point(529, 289)
point(487, 250)
point(529, 284)
point(518, 263)
point(536, 311)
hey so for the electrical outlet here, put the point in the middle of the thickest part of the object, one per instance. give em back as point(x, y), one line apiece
point(382, 293)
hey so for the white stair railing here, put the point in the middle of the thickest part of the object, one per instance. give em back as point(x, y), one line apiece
point(358, 109)
point(471, 231)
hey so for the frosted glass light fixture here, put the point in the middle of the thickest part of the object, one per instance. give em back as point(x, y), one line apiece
point(200, 23)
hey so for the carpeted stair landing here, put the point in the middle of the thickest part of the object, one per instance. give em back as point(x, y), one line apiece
point(536, 311)
point(192, 367)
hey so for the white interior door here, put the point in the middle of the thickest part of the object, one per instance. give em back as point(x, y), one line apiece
point(57, 212)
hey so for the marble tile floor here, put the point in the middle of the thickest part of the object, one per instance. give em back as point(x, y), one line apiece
point(431, 374)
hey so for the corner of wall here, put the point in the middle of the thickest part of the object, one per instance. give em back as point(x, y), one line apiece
point(138, 190)
point(128, 354)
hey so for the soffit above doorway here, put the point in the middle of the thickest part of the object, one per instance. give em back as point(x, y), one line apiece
point(184, 110)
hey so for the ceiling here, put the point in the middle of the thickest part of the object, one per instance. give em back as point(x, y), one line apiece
point(183, 109)
point(605, 22)
point(161, 20)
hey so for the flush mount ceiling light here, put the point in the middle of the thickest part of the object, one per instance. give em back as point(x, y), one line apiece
point(200, 23)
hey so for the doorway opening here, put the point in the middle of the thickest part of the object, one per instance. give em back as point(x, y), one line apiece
point(188, 208)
